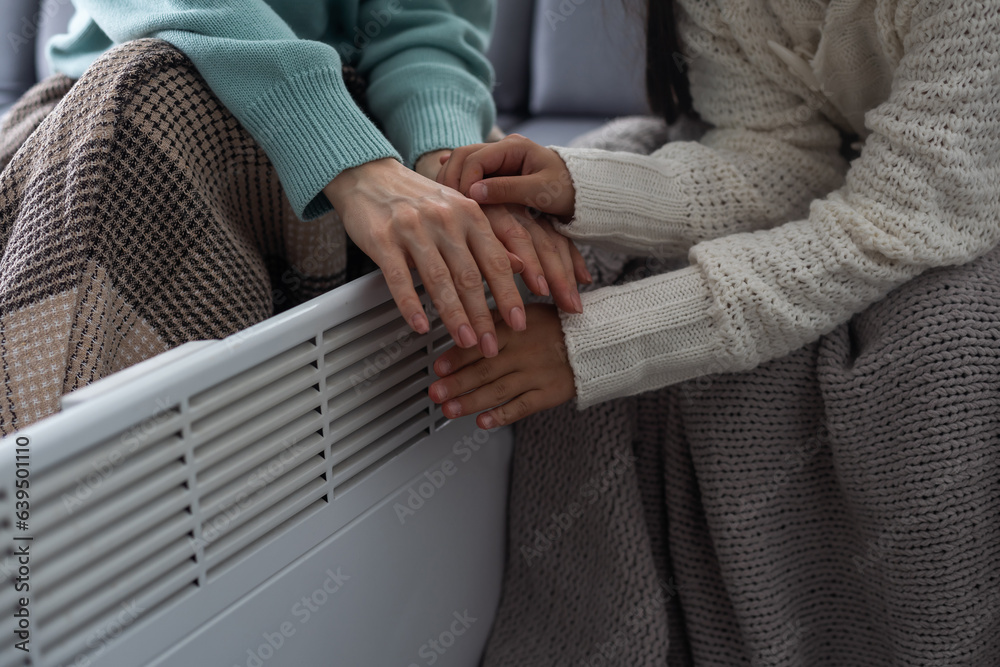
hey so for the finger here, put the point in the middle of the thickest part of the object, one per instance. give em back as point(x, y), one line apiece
point(516, 263)
point(470, 377)
point(509, 229)
point(451, 173)
point(569, 290)
point(490, 395)
point(400, 282)
point(438, 282)
point(508, 157)
point(490, 257)
point(526, 190)
point(559, 278)
point(444, 158)
point(465, 267)
point(580, 265)
point(454, 359)
point(520, 407)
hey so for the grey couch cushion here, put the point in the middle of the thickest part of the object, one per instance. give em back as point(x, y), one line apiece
point(556, 130)
point(19, 25)
point(579, 65)
point(509, 51)
point(55, 21)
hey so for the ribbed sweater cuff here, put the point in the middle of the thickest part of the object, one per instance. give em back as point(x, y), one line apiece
point(435, 119)
point(312, 130)
point(642, 335)
point(614, 208)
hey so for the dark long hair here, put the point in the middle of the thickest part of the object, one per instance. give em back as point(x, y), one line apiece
point(666, 72)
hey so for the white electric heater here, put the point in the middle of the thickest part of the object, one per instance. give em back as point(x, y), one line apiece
point(288, 496)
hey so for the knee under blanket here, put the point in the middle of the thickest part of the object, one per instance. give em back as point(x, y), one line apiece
point(137, 214)
point(840, 506)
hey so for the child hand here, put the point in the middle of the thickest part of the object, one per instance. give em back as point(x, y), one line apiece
point(514, 170)
point(530, 374)
point(552, 263)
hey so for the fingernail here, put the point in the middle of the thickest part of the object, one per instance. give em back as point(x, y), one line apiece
point(577, 302)
point(489, 422)
point(517, 319)
point(588, 276)
point(466, 336)
point(478, 192)
point(453, 409)
point(543, 286)
point(419, 323)
point(443, 367)
point(489, 345)
point(438, 393)
point(516, 263)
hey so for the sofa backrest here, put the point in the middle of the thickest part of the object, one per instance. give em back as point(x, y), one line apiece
point(55, 21)
point(552, 57)
point(588, 57)
point(569, 57)
point(25, 27)
point(510, 53)
point(19, 30)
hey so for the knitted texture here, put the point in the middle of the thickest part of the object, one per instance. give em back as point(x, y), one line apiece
point(634, 134)
point(138, 215)
point(276, 65)
point(922, 194)
point(582, 585)
point(839, 506)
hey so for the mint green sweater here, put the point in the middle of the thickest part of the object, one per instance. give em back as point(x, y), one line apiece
point(277, 66)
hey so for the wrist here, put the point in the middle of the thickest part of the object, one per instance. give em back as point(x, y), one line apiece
point(429, 164)
point(348, 180)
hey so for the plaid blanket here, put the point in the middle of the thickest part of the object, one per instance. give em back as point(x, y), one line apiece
point(137, 214)
point(840, 506)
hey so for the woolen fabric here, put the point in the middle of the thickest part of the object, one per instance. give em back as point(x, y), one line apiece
point(839, 506)
point(137, 214)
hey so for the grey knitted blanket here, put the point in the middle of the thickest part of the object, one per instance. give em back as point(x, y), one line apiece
point(840, 506)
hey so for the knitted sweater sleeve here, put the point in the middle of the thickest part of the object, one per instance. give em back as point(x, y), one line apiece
point(429, 79)
point(922, 194)
point(289, 92)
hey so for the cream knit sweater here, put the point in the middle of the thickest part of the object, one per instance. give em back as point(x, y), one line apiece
point(918, 80)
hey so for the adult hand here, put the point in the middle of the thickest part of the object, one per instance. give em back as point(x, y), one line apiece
point(514, 170)
point(531, 373)
point(552, 263)
point(429, 164)
point(402, 220)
